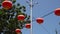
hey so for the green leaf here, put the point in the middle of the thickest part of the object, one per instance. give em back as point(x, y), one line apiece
point(0, 4)
point(20, 7)
point(23, 7)
point(14, 1)
point(18, 4)
point(0, 11)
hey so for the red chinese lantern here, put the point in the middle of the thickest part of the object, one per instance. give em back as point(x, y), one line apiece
point(21, 17)
point(57, 12)
point(39, 20)
point(28, 26)
point(18, 31)
point(7, 4)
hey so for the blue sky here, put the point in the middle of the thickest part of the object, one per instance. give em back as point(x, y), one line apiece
point(51, 21)
point(43, 7)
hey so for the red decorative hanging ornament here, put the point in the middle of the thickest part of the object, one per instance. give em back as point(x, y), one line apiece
point(39, 20)
point(18, 31)
point(20, 17)
point(28, 26)
point(57, 12)
point(7, 4)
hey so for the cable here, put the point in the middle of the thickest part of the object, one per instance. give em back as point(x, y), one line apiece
point(44, 16)
point(45, 29)
point(47, 14)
